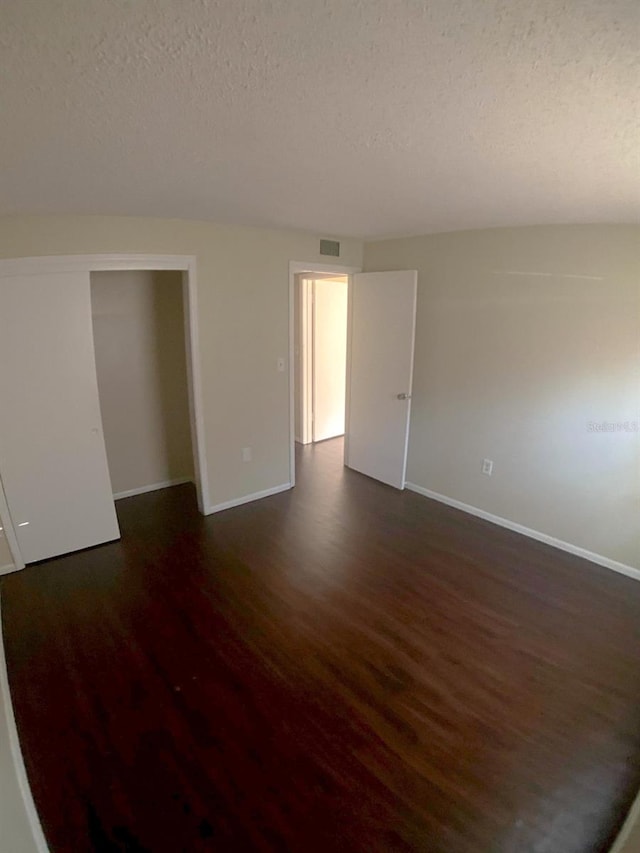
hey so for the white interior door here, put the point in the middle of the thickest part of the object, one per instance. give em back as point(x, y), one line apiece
point(329, 357)
point(381, 343)
point(52, 455)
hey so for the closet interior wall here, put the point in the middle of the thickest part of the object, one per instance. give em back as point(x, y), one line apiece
point(139, 338)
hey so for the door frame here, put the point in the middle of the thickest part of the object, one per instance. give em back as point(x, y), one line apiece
point(295, 268)
point(305, 403)
point(186, 264)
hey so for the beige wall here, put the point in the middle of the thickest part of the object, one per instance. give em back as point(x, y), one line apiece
point(524, 337)
point(243, 288)
point(138, 329)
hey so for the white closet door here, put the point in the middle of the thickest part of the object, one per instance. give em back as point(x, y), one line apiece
point(53, 461)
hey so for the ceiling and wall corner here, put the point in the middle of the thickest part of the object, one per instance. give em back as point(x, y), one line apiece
point(395, 118)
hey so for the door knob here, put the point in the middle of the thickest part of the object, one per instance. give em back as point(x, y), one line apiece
point(404, 396)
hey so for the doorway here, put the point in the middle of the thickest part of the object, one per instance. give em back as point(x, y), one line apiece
point(320, 342)
point(140, 353)
point(381, 321)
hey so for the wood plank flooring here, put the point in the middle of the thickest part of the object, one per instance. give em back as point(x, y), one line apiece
point(342, 667)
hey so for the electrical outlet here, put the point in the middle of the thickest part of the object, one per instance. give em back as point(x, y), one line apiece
point(487, 467)
point(246, 454)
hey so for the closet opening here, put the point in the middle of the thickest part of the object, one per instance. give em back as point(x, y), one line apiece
point(141, 366)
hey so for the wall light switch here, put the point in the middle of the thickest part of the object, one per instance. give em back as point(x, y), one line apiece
point(487, 467)
point(281, 365)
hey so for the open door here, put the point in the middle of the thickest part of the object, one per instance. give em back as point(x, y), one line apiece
point(52, 456)
point(381, 342)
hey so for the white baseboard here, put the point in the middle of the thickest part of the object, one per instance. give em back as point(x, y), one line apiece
point(16, 755)
point(256, 496)
point(623, 569)
point(6, 570)
point(154, 487)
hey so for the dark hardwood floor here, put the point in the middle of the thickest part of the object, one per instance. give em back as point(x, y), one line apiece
point(342, 667)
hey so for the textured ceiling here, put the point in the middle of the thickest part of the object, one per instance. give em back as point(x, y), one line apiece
point(353, 117)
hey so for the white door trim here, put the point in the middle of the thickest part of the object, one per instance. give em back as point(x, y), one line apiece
point(306, 345)
point(296, 267)
point(305, 403)
point(186, 264)
point(347, 411)
point(94, 263)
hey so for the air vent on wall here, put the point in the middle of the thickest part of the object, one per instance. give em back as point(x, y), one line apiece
point(330, 247)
